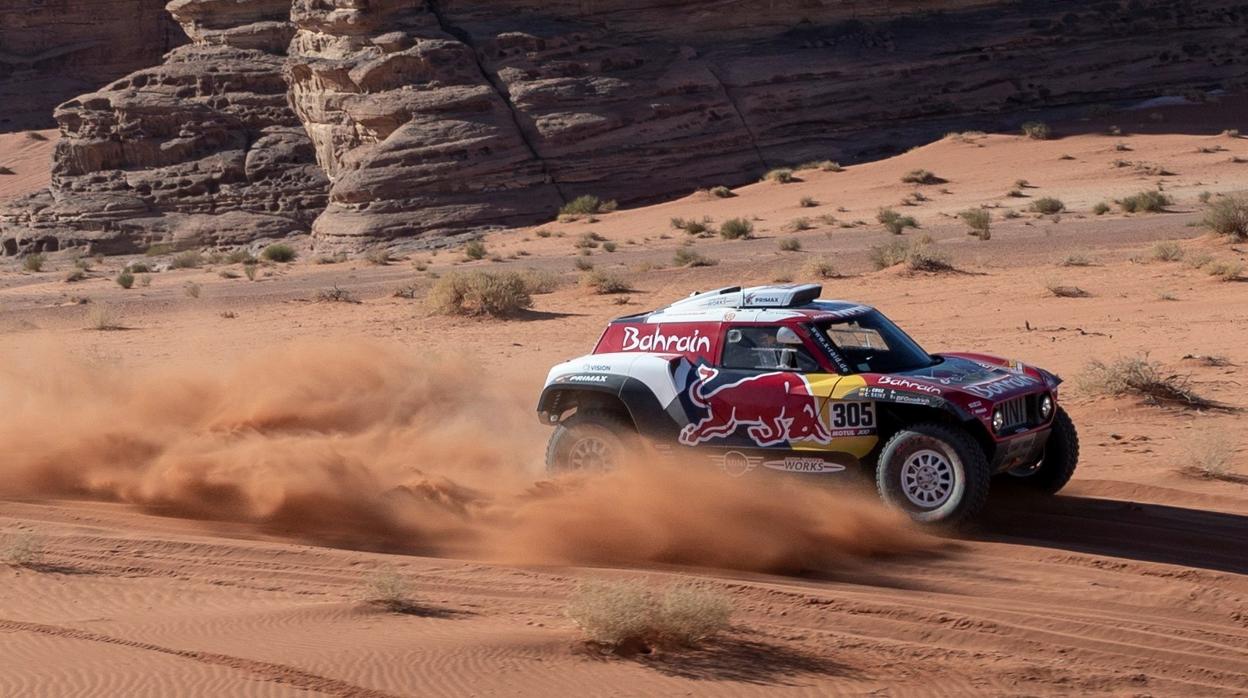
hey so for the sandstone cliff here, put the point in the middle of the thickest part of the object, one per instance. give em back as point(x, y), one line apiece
point(52, 50)
point(440, 118)
point(203, 148)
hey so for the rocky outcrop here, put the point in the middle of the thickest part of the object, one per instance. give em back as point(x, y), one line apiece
point(431, 119)
point(53, 51)
point(200, 150)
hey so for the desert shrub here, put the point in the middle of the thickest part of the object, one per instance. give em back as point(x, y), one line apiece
point(736, 229)
point(1166, 252)
point(1047, 205)
point(1101, 208)
point(917, 255)
point(807, 202)
point(104, 319)
point(979, 221)
point(34, 262)
point(408, 291)
point(145, 280)
point(1226, 270)
point(780, 175)
point(1011, 213)
point(1211, 456)
point(75, 275)
point(689, 257)
point(542, 233)
point(191, 259)
point(628, 616)
point(789, 245)
point(138, 268)
point(250, 270)
point(475, 249)
point(191, 289)
point(378, 256)
point(388, 589)
point(1057, 289)
point(335, 294)
point(1075, 260)
point(895, 222)
point(239, 257)
point(582, 264)
point(1142, 378)
point(586, 205)
point(1145, 201)
point(691, 226)
point(125, 279)
point(721, 192)
point(798, 224)
point(1015, 194)
point(831, 166)
point(1037, 130)
point(279, 252)
point(22, 549)
point(608, 247)
point(539, 281)
point(496, 294)
point(819, 268)
point(922, 177)
point(604, 282)
point(1229, 216)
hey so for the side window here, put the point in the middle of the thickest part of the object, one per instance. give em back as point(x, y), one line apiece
point(759, 348)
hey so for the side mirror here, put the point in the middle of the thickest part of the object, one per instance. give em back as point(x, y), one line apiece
point(786, 335)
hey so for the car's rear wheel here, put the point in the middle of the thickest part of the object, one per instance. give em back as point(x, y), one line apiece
point(935, 473)
point(1061, 456)
point(592, 441)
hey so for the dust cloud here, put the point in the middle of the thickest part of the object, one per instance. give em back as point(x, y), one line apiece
point(359, 445)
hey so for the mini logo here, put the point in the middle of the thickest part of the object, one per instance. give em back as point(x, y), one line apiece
point(736, 463)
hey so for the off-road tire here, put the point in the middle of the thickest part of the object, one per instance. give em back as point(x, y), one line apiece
point(1061, 457)
point(964, 457)
point(614, 431)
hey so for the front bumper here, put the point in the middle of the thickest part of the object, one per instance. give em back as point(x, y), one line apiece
point(1025, 448)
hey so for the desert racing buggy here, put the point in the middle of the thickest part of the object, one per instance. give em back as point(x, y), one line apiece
point(772, 377)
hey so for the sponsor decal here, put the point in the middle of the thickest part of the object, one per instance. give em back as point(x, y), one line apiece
point(582, 378)
point(804, 464)
point(755, 299)
point(826, 344)
point(893, 395)
point(1002, 386)
point(907, 384)
point(598, 368)
point(776, 407)
point(634, 340)
point(736, 463)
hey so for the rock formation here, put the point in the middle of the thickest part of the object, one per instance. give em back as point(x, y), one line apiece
point(52, 51)
point(435, 119)
point(200, 150)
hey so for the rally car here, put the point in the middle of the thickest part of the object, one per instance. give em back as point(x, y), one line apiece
point(772, 377)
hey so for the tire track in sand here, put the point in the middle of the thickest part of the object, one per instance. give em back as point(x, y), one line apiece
point(267, 671)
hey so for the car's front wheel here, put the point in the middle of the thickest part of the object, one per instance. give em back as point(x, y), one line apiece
point(1061, 456)
point(935, 473)
point(592, 441)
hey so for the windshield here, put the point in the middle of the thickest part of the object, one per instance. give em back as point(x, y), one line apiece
point(872, 343)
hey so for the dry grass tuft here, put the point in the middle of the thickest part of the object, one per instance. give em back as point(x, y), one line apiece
point(335, 294)
point(1145, 202)
point(1057, 289)
point(1142, 378)
point(979, 221)
point(922, 177)
point(102, 318)
point(688, 257)
point(1166, 252)
point(1047, 205)
point(389, 590)
point(1229, 216)
point(22, 549)
point(604, 282)
point(1211, 458)
point(780, 175)
point(894, 222)
point(480, 293)
point(586, 205)
point(736, 229)
point(917, 255)
point(1037, 130)
point(629, 617)
point(820, 268)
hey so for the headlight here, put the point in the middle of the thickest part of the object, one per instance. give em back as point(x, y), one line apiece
point(1046, 407)
point(998, 419)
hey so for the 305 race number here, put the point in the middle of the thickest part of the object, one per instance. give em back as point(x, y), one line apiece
point(849, 415)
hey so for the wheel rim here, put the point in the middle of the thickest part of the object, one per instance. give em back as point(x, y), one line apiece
point(591, 453)
point(927, 479)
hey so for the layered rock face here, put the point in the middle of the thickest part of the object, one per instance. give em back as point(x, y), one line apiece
point(433, 119)
point(52, 50)
point(203, 149)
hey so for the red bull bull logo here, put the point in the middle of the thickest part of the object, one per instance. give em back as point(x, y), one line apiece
point(776, 407)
